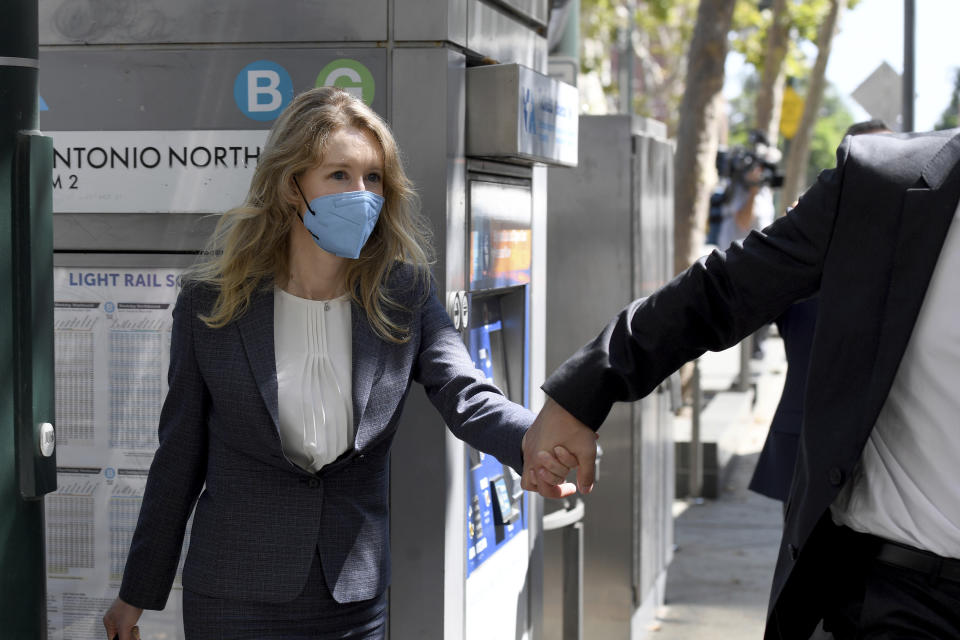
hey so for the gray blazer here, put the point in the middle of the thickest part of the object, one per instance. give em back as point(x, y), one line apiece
point(867, 236)
point(259, 517)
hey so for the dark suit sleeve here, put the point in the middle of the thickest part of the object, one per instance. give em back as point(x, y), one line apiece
point(474, 410)
point(709, 307)
point(176, 474)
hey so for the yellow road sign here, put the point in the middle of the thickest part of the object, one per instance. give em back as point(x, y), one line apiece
point(790, 113)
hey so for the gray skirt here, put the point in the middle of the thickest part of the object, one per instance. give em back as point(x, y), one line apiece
point(313, 615)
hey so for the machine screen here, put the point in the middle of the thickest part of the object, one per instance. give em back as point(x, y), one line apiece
point(495, 505)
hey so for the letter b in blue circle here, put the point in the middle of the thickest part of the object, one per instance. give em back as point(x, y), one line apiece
point(262, 90)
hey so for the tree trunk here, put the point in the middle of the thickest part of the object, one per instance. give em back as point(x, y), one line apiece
point(695, 160)
point(770, 92)
point(795, 180)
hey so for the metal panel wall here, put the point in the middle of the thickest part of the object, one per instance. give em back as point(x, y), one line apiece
point(657, 204)
point(187, 21)
point(176, 88)
point(429, 560)
point(502, 37)
point(430, 20)
point(651, 171)
point(537, 11)
point(653, 454)
point(608, 213)
point(590, 224)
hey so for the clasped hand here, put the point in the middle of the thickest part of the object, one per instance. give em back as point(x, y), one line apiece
point(556, 443)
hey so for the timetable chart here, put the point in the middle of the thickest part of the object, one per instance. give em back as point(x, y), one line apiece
point(70, 513)
point(79, 616)
point(112, 346)
point(124, 510)
point(112, 352)
point(136, 382)
point(74, 372)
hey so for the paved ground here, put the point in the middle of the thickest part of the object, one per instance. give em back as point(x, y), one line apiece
point(718, 583)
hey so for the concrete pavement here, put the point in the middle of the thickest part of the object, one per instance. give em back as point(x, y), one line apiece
point(718, 583)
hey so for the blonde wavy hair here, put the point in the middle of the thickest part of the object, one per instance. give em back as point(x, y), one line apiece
point(249, 248)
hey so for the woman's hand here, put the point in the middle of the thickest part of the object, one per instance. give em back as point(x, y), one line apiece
point(120, 621)
point(555, 443)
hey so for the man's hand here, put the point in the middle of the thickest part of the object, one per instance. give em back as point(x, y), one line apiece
point(121, 619)
point(554, 444)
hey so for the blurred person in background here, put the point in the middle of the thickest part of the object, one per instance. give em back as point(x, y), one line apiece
point(747, 201)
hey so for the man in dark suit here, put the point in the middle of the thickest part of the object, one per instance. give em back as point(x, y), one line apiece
point(871, 541)
point(774, 471)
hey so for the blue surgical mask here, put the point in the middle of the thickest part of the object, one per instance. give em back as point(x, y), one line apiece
point(341, 223)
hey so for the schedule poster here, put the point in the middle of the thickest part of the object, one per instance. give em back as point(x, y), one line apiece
point(112, 349)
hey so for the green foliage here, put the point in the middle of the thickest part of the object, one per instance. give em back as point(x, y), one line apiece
point(948, 119)
point(828, 131)
point(742, 111)
point(662, 31)
point(750, 32)
point(599, 25)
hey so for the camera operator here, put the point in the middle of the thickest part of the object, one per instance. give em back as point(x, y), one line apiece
point(747, 202)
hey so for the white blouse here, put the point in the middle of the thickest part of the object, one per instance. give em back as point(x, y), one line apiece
point(312, 340)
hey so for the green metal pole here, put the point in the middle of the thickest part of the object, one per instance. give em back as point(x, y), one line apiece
point(27, 466)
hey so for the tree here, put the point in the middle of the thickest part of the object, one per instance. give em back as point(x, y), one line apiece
point(659, 39)
point(948, 119)
point(662, 35)
point(770, 40)
point(694, 173)
point(773, 76)
point(600, 21)
point(799, 153)
point(679, 71)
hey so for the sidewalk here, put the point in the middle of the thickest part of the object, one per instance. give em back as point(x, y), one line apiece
point(719, 581)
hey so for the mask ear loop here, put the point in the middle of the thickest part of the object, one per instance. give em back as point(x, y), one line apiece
point(309, 208)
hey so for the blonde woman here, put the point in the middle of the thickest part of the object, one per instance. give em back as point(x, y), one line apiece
point(293, 348)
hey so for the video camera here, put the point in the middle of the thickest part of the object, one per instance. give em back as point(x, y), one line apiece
point(737, 162)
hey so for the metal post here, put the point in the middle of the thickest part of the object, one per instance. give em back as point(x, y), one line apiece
point(570, 520)
point(631, 58)
point(627, 62)
point(746, 350)
point(573, 582)
point(909, 48)
point(696, 449)
point(27, 466)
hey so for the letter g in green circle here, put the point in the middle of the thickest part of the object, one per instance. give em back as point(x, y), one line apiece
point(349, 75)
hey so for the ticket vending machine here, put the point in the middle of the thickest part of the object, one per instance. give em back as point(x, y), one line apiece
point(466, 539)
point(498, 335)
point(158, 112)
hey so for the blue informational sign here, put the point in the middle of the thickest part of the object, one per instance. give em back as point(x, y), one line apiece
point(262, 90)
point(496, 510)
